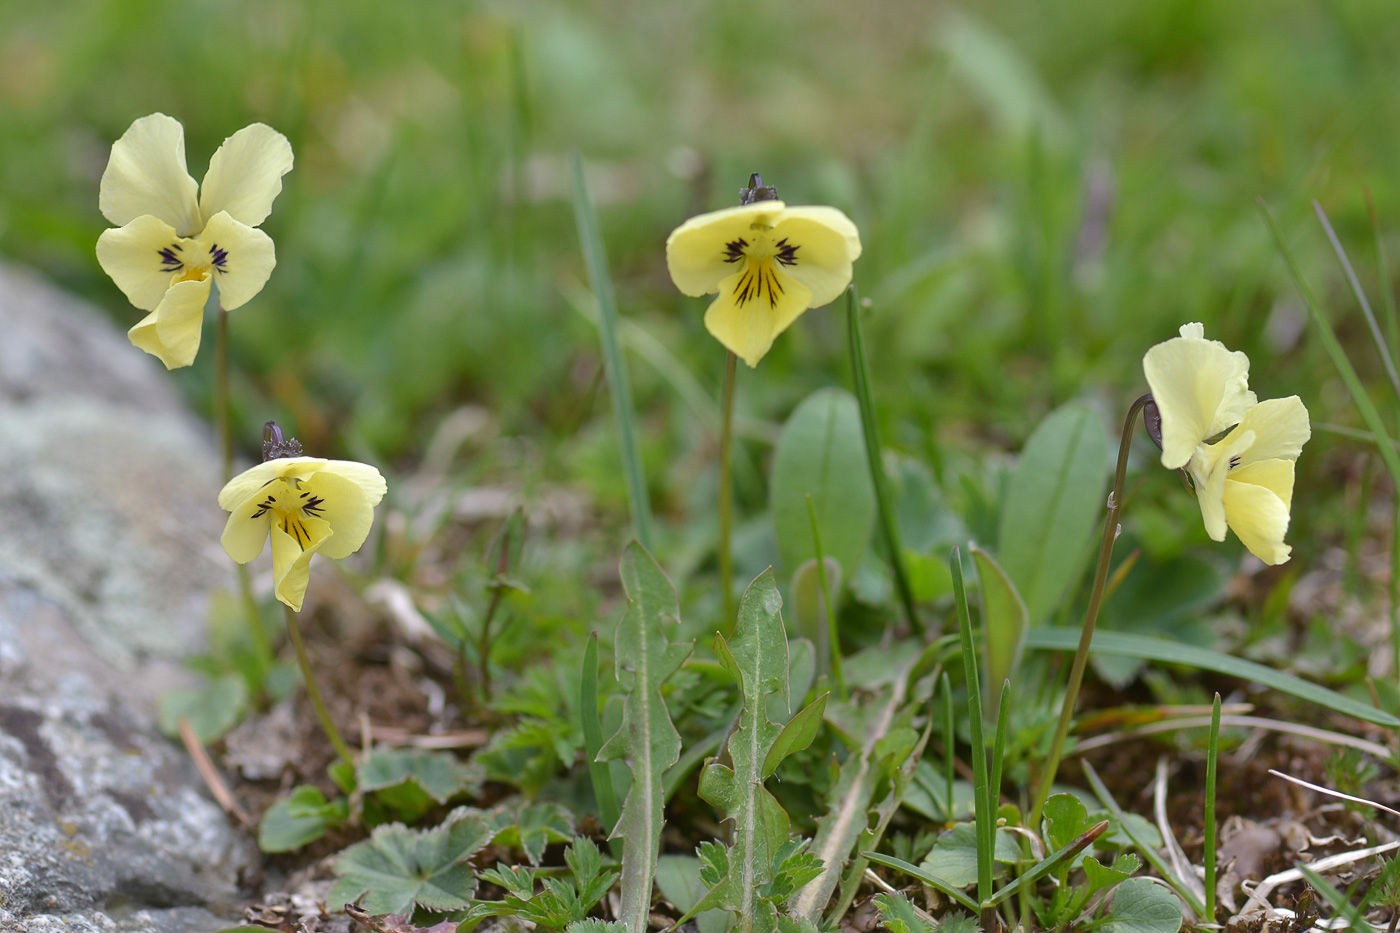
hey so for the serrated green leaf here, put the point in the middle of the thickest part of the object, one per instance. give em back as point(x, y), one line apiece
point(212, 710)
point(532, 827)
point(897, 913)
point(301, 817)
point(438, 773)
point(821, 451)
point(758, 661)
point(646, 739)
point(397, 868)
point(1141, 905)
point(592, 925)
point(1004, 623)
point(1053, 500)
point(796, 735)
point(1066, 818)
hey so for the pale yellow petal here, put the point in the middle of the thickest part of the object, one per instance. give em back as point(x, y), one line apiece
point(1259, 518)
point(826, 243)
point(344, 505)
point(171, 332)
point(1274, 475)
point(291, 561)
point(698, 252)
point(370, 480)
point(241, 258)
point(142, 258)
point(752, 310)
point(146, 174)
point(250, 481)
point(1209, 476)
point(245, 175)
point(1200, 389)
point(245, 532)
point(1281, 428)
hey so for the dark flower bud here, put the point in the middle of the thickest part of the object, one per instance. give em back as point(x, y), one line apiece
point(276, 446)
point(757, 191)
point(1152, 420)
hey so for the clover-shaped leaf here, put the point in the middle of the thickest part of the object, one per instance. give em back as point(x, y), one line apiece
point(397, 867)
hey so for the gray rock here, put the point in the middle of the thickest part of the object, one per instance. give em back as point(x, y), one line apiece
point(109, 548)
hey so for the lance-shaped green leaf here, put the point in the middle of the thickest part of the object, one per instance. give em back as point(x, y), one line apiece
point(646, 740)
point(1004, 623)
point(758, 661)
point(850, 799)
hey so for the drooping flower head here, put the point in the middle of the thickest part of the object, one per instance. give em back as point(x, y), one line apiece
point(1200, 388)
point(1243, 481)
point(306, 505)
point(768, 262)
point(174, 239)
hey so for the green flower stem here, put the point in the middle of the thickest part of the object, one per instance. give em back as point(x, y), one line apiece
point(861, 379)
point(261, 644)
point(1212, 757)
point(831, 633)
point(1091, 616)
point(726, 493)
point(314, 692)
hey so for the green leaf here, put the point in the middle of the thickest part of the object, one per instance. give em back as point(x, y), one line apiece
point(1066, 817)
point(758, 661)
point(646, 740)
point(397, 868)
point(1004, 623)
point(438, 773)
point(821, 451)
point(599, 774)
point(1054, 498)
point(953, 859)
point(897, 913)
point(796, 735)
point(1141, 905)
point(532, 827)
point(299, 818)
point(808, 609)
point(933, 881)
point(678, 877)
point(212, 710)
point(1170, 652)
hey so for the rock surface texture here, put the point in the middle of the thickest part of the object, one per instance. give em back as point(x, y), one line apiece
point(108, 551)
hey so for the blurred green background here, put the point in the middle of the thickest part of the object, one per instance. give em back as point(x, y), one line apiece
point(1043, 189)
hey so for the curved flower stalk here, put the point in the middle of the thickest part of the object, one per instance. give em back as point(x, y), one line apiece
point(306, 505)
point(768, 262)
point(174, 239)
point(1244, 481)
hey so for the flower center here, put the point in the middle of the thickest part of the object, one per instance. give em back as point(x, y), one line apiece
point(290, 506)
point(191, 261)
point(762, 257)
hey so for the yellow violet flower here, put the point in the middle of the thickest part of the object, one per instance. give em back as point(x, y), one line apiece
point(1245, 480)
point(1200, 387)
point(307, 506)
point(768, 262)
point(173, 239)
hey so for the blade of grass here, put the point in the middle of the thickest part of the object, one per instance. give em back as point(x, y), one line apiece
point(1383, 348)
point(1126, 645)
point(950, 738)
point(1392, 327)
point(595, 258)
point(832, 635)
point(985, 810)
point(1336, 900)
point(1048, 864)
point(860, 377)
point(914, 871)
point(1359, 398)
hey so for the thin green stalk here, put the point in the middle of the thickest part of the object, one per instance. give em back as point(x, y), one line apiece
point(1212, 757)
point(726, 493)
point(1091, 616)
point(314, 692)
point(223, 421)
point(1359, 397)
point(598, 771)
point(985, 814)
point(1385, 350)
point(999, 744)
point(860, 377)
point(950, 737)
point(831, 634)
point(596, 259)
